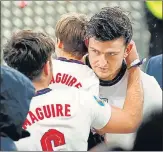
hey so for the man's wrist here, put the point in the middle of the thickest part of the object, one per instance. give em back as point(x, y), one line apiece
point(136, 63)
point(133, 69)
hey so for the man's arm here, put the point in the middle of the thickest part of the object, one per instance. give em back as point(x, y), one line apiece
point(127, 120)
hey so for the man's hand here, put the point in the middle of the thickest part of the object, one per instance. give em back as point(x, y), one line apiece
point(133, 54)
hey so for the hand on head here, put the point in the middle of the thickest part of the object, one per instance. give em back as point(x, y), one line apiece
point(132, 53)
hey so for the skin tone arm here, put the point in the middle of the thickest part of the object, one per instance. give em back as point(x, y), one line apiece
point(128, 119)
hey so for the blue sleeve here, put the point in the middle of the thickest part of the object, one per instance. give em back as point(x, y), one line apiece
point(7, 144)
point(149, 67)
point(154, 68)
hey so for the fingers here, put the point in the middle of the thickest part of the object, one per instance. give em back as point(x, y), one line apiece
point(130, 46)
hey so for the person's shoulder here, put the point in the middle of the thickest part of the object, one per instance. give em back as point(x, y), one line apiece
point(80, 96)
point(154, 63)
point(152, 90)
point(57, 62)
point(148, 79)
point(83, 93)
point(64, 91)
point(90, 99)
point(84, 97)
point(146, 76)
point(152, 94)
point(58, 94)
point(90, 74)
point(8, 73)
point(157, 58)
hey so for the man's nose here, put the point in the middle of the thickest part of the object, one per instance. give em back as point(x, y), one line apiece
point(102, 61)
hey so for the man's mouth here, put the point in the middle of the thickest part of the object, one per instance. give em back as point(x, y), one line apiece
point(103, 69)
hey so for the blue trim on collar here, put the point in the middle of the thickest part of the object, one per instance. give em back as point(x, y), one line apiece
point(70, 60)
point(43, 91)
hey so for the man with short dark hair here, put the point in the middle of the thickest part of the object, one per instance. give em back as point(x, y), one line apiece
point(71, 71)
point(71, 28)
point(109, 33)
point(35, 58)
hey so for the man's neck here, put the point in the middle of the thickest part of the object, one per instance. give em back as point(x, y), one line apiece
point(39, 85)
point(115, 74)
point(68, 56)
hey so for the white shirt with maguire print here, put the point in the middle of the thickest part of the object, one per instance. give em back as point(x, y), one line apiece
point(76, 75)
point(60, 120)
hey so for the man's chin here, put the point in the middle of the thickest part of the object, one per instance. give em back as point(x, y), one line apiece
point(102, 76)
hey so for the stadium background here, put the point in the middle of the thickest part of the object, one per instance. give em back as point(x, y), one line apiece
point(42, 16)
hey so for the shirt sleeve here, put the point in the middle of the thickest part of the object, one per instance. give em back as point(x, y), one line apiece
point(91, 84)
point(101, 113)
point(153, 95)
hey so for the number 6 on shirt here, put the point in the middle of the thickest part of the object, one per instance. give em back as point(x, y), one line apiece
point(52, 136)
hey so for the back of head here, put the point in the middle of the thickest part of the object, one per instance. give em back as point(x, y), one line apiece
point(28, 51)
point(70, 30)
point(110, 24)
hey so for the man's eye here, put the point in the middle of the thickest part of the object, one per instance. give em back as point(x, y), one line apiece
point(96, 51)
point(111, 54)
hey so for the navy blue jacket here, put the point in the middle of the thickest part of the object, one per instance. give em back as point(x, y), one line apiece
point(154, 68)
point(16, 94)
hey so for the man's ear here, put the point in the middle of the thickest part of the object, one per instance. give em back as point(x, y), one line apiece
point(46, 68)
point(128, 49)
point(59, 44)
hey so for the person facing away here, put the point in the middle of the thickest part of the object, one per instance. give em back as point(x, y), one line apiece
point(57, 116)
point(108, 36)
point(70, 47)
point(16, 94)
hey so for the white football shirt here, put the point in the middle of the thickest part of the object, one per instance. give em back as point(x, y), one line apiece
point(115, 95)
point(73, 73)
point(60, 119)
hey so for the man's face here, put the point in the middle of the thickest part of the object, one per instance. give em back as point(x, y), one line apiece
point(106, 57)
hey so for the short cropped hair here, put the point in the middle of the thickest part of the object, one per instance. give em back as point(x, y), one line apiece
point(28, 51)
point(109, 24)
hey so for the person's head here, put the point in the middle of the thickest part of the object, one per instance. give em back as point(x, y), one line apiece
point(30, 53)
point(70, 33)
point(109, 33)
